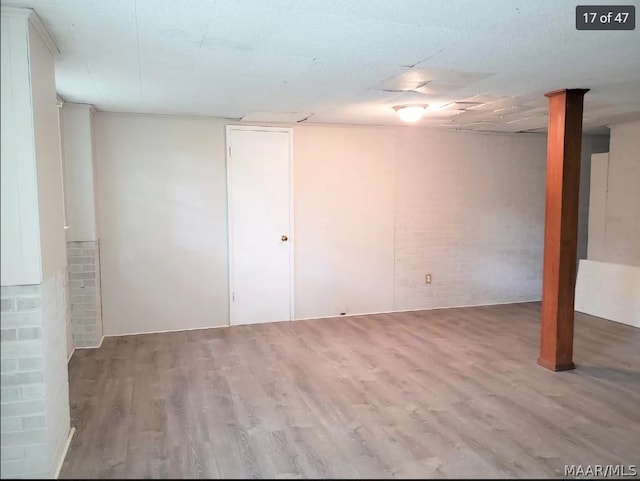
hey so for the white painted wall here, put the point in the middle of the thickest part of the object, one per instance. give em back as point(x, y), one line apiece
point(78, 155)
point(53, 248)
point(344, 189)
point(35, 200)
point(20, 243)
point(469, 211)
point(78, 140)
point(590, 145)
point(622, 223)
point(607, 290)
point(161, 195)
point(598, 205)
point(608, 284)
point(375, 210)
point(69, 327)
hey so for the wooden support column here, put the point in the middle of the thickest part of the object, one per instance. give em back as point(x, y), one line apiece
point(564, 140)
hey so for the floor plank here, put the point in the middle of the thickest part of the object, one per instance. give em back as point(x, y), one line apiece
point(440, 393)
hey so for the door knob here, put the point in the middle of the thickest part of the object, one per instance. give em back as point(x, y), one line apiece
point(284, 238)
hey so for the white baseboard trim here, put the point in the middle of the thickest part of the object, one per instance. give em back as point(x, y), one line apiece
point(416, 310)
point(327, 317)
point(70, 355)
point(261, 322)
point(164, 331)
point(72, 431)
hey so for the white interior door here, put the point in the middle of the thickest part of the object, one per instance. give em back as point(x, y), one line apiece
point(260, 244)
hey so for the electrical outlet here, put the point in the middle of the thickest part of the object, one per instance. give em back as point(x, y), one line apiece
point(427, 279)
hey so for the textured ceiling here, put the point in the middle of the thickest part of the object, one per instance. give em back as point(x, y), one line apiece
point(480, 65)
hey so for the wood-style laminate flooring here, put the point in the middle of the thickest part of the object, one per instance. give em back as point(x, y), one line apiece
point(440, 393)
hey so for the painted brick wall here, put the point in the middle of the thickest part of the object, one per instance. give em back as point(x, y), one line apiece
point(469, 211)
point(84, 286)
point(23, 401)
point(54, 300)
point(35, 394)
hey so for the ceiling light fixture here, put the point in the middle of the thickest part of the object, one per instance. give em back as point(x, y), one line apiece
point(410, 113)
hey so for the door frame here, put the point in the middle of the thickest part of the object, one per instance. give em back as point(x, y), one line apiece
point(257, 128)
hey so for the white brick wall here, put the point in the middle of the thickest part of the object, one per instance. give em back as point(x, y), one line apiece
point(35, 390)
point(54, 336)
point(23, 403)
point(84, 287)
point(470, 212)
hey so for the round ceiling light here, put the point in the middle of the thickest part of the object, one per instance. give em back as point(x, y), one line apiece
point(410, 113)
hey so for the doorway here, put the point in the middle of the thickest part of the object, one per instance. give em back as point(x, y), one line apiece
point(259, 173)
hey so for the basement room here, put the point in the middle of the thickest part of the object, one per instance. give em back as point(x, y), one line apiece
point(320, 239)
